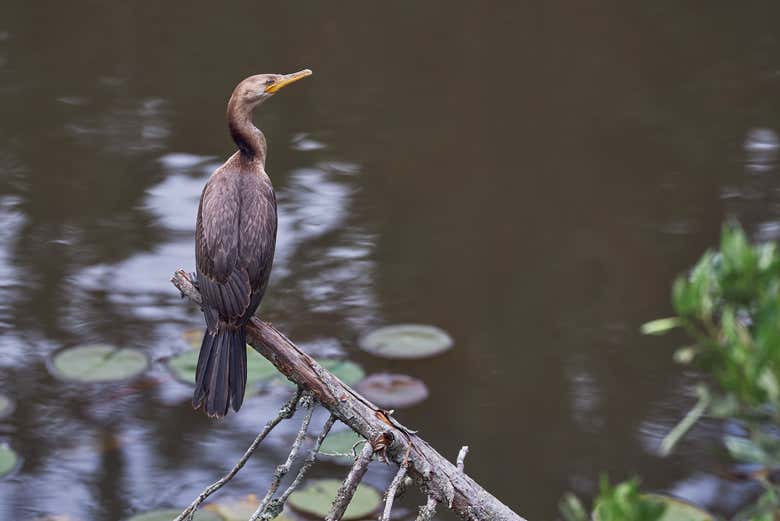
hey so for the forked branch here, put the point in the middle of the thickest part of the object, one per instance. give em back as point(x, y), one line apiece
point(429, 469)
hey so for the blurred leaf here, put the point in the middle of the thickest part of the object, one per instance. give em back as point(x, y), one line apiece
point(258, 369)
point(623, 502)
point(98, 363)
point(674, 436)
point(336, 444)
point(238, 509)
point(8, 460)
point(406, 341)
point(677, 510)
point(316, 497)
point(169, 514)
point(347, 371)
point(744, 450)
point(660, 325)
point(6, 406)
point(393, 391)
point(725, 406)
point(685, 355)
point(571, 508)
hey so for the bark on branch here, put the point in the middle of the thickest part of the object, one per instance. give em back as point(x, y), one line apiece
point(431, 471)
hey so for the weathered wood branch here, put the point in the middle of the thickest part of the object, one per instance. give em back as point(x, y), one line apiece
point(431, 471)
point(347, 490)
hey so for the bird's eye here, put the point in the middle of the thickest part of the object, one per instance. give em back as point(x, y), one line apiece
point(269, 81)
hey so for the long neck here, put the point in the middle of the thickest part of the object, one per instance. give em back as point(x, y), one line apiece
point(250, 140)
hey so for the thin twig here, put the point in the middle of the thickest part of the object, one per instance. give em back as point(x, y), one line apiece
point(284, 468)
point(428, 510)
point(399, 476)
point(351, 482)
point(461, 461)
point(275, 507)
point(287, 410)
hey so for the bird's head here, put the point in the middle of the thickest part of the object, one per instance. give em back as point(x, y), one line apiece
point(255, 89)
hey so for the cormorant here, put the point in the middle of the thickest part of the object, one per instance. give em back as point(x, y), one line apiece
point(234, 248)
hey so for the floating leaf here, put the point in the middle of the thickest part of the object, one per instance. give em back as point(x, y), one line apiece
point(258, 369)
point(392, 391)
point(338, 446)
point(659, 326)
point(348, 372)
point(406, 341)
point(239, 509)
point(316, 498)
point(194, 337)
point(6, 406)
point(678, 510)
point(8, 460)
point(99, 363)
point(170, 514)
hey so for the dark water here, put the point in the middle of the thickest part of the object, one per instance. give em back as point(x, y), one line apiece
point(528, 177)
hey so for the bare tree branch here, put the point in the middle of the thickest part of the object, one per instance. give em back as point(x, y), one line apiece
point(284, 468)
point(390, 496)
point(425, 465)
point(428, 510)
point(464, 451)
point(275, 507)
point(286, 412)
point(347, 489)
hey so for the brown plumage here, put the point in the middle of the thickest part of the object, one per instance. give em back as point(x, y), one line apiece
point(235, 238)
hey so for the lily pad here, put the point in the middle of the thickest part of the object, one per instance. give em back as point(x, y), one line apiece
point(392, 391)
point(337, 446)
point(348, 372)
point(8, 460)
point(194, 337)
point(258, 369)
point(406, 341)
point(98, 363)
point(316, 498)
point(239, 509)
point(6, 406)
point(170, 513)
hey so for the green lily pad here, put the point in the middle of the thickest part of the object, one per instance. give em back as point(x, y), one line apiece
point(194, 337)
point(348, 372)
point(678, 510)
point(316, 498)
point(337, 446)
point(239, 509)
point(406, 341)
point(258, 369)
point(169, 514)
point(6, 406)
point(8, 460)
point(393, 391)
point(98, 363)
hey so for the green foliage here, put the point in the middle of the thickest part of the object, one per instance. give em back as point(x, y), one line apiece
point(623, 502)
point(730, 304)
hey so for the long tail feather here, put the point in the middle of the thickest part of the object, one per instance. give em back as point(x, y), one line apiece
point(220, 378)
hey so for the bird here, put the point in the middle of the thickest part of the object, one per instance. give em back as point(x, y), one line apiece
point(235, 238)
